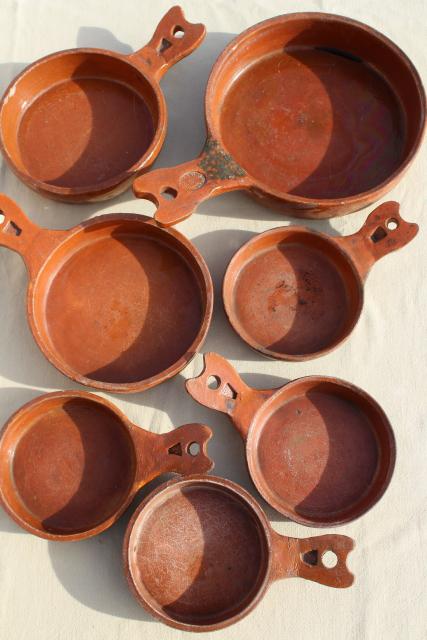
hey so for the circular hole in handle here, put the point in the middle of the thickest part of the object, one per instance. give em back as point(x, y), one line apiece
point(2, 217)
point(329, 559)
point(193, 449)
point(178, 32)
point(169, 193)
point(214, 382)
point(392, 224)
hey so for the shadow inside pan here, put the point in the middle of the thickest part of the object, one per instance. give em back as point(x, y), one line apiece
point(292, 294)
point(198, 555)
point(324, 453)
point(122, 305)
point(313, 122)
point(88, 119)
point(72, 465)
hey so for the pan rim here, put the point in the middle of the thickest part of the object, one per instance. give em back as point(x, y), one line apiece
point(238, 327)
point(95, 190)
point(251, 451)
point(237, 492)
point(20, 414)
point(256, 185)
point(206, 290)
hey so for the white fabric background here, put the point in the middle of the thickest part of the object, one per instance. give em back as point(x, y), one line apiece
point(52, 591)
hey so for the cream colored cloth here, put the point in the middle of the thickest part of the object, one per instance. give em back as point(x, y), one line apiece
point(52, 591)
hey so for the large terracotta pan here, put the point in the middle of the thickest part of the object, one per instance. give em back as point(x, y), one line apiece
point(200, 554)
point(313, 113)
point(319, 450)
point(71, 462)
point(79, 125)
point(293, 294)
point(115, 303)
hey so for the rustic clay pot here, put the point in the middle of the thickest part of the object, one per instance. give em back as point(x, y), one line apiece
point(115, 303)
point(199, 554)
point(80, 125)
point(315, 114)
point(294, 294)
point(319, 450)
point(71, 462)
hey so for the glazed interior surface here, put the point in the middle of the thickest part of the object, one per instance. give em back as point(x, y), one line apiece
point(119, 302)
point(79, 120)
point(321, 452)
point(292, 293)
point(198, 554)
point(69, 465)
point(316, 108)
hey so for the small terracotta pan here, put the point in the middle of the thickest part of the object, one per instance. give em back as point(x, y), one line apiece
point(315, 114)
point(115, 303)
point(294, 294)
point(319, 450)
point(80, 125)
point(71, 462)
point(200, 554)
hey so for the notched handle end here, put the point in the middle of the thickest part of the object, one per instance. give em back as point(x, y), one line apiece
point(187, 449)
point(321, 559)
point(218, 386)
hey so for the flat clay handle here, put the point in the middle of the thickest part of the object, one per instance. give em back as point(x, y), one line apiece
point(183, 451)
point(306, 558)
point(176, 191)
point(19, 234)
point(383, 232)
point(220, 387)
point(174, 39)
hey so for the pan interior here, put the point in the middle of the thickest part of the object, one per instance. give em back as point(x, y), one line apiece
point(315, 109)
point(321, 452)
point(88, 118)
point(119, 302)
point(70, 465)
point(292, 294)
point(197, 554)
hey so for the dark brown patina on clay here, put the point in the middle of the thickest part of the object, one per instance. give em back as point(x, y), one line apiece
point(79, 125)
point(200, 554)
point(116, 303)
point(319, 450)
point(320, 114)
point(293, 293)
point(71, 462)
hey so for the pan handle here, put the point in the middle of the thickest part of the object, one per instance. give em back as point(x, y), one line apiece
point(182, 451)
point(306, 558)
point(174, 39)
point(176, 191)
point(383, 232)
point(220, 387)
point(19, 234)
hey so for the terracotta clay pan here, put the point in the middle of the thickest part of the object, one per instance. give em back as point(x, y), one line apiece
point(79, 125)
point(313, 113)
point(71, 462)
point(293, 294)
point(199, 554)
point(319, 450)
point(115, 303)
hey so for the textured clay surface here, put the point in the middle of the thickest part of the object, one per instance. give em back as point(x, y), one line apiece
point(314, 124)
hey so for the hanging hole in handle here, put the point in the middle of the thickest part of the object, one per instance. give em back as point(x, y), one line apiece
point(169, 193)
point(2, 217)
point(164, 44)
point(178, 32)
point(392, 224)
point(329, 559)
point(214, 382)
point(193, 449)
